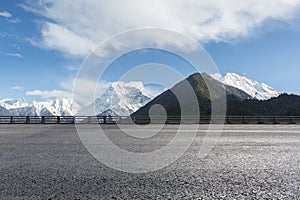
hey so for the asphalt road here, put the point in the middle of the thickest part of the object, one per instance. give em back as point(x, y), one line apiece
point(247, 162)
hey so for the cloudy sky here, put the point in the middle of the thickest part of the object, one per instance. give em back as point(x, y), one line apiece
point(43, 43)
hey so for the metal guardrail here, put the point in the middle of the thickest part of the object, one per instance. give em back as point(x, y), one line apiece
point(146, 120)
point(64, 119)
point(227, 120)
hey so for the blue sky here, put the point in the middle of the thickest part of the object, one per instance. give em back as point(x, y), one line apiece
point(35, 59)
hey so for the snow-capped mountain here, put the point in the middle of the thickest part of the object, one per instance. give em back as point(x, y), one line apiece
point(13, 103)
point(21, 107)
point(256, 90)
point(4, 112)
point(121, 98)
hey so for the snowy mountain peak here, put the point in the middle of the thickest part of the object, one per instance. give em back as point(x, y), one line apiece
point(20, 107)
point(121, 84)
point(257, 90)
point(121, 98)
point(122, 88)
point(13, 103)
point(57, 107)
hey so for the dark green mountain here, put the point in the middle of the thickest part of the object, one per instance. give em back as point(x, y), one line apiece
point(283, 105)
point(198, 83)
point(238, 102)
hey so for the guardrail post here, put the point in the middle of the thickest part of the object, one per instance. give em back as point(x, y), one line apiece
point(227, 120)
point(58, 119)
point(274, 120)
point(89, 119)
point(104, 119)
point(43, 120)
point(27, 120)
point(259, 120)
point(11, 119)
point(291, 121)
point(73, 120)
point(243, 120)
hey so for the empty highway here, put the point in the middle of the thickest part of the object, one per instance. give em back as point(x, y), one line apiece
point(247, 162)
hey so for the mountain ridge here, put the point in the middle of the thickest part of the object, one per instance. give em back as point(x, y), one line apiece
point(239, 103)
point(21, 107)
point(125, 98)
point(121, 98)
point(199, 83)
point(256, 90)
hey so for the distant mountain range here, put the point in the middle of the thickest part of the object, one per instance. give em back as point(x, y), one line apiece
point(21, 107)
point(239, 102)
point(121, 98)
point(125, 98)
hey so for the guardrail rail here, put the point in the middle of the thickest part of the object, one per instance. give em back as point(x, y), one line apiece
point(147, 120)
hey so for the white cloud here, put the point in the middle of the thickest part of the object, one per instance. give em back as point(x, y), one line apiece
point(5, 14)
point(60, 37)
point(17, 88)
point(77, 26)
point(15, 21)
point(72, 68)
point(17, 55)
point(84, 87)
point(58, 94)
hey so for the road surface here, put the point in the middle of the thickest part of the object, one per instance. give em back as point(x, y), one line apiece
point(248, 162)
